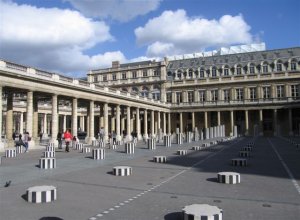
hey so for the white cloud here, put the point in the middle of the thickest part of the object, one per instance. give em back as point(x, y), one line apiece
point(174, 32)
point(121, 10)
point(52, 38)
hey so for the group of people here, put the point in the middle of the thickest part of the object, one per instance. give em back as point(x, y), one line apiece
point(67, 137)
point(22, 141)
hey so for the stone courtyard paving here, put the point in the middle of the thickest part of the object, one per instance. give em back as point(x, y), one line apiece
point(86, 188)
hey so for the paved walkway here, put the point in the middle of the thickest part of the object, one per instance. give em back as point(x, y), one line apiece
point(87, 190)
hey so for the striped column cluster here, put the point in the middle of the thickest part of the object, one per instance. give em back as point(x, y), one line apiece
point(213, 142)
point(188, 137)
point(10, 153)
point(118, 142)
point(98, 154)
point(101, 144)
point(79, 146)
point(47, 163)
point(229, 177)
point(122, 171)
point(160, 159)
point(205, 144)
point(41, 194)
point(151, 143)
point(239, 162)
point(19, 149)
point(244, 153)
point(197, 148)
point(129, 148)
point(167, 140)
point(48, 154)
point(50, 148)
point(86, 150)
point(247, 148)
point(182, 152)
point(179, 138)
point(51, 144)
point(202, 211)
point(113, 146)
point(94, 143)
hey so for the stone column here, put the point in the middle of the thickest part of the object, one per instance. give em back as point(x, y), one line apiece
point(152, 124)
point(91, 122)
point(145, 123)
point(122, 122)
point(54, 127)
point(291, 122)
point(45, 131)
point(219, 118)
point(82, 124)
point(193, 121)
point(105, 113)
point(113, 120)
point(275, 122)
point(158, 121)
point(138, 124)
point(169, 123)
point(246, 123)
point(164, 124)
point(29, 113)
point(74, 116)
point(35, 120)
point(128, 129)
point(9, 119)
point(65, 123)
point(118, 124)
point(205, 120)
point(261, 122)
point(231, 123)
point(180, 122)
point(22, 122)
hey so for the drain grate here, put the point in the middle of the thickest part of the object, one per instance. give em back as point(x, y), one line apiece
point(217, 201)
point(267, 205)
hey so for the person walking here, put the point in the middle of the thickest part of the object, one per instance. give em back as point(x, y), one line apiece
point(26, 141)
point(114, 137)
point(68, 138)
point(59, 139)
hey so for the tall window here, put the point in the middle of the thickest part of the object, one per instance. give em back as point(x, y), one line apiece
point(226, 71)
point(190, 96)
point(279, 67)
point(293, 65)
point(104, 78)
point(239, 94)
point(179, 75)
point(202, 95)
point(145, 73)
point(266, 92)
point(252, 93)
point(226, 95)
point(156, 95)
point(238, 70)
point(214, 72)
point(280, 91)
point(214, 95)
point(190, 73)
point(114, 77)
point(178, 97)
point(252, 69)
point(169, 97)
point(155, 73)
point(123, 75)
point(134, 75)
point(295, 91)
point(95, 78)
point(201, 73)
point(265, 68)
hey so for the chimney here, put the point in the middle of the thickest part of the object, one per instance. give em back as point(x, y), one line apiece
point(115, 64)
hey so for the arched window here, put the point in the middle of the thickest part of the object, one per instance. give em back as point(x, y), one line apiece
point(265, 67)
point(145, 91)
point(201, 73)
point(190, 73)
point(156, 92)
point(279, 66)
point(214, 72)
point(179, 74)
point(226, 70)
point(251, 68)
point(293, 64)
point(238, 70)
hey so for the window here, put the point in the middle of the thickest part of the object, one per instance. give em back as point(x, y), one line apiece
point(104, 78)
point(190, 96)
point(179, 75)
point(95, 79)
point(252, 93)
point(279, 67)
point(178, 97)
point(156, 95)
point(145, 74)
point(134, 75)
point(123, 75)
point(295, 91)
point(265, 68)
point(293, 65)
point(266, 92)
point(114, 77)
point(238, 70)
point(226, 95)
point(201, 73)
point(252, 69)
point(214, 72)
point(214, 95)
point(226, 71)
point(155, 72)
point(191, 73)
point(169, 97)
point(202, 95)
point(279, 91)
point(239, 94)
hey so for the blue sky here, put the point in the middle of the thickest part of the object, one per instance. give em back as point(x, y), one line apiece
point(73, 36)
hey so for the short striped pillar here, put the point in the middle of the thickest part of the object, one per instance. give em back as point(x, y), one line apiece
point(244, 153)
point(113, 146)
point(151, 144)
point(50, 148)
point(160, 159)
point(239, 162)
point(197, 148)
point(51, 144)
point(202, 211)
point(179, 138)
point(213, 142)
point(129, 148)
point(101, 144)
point(79, 146)
point(94, 143)
point(167, 140)
point(205, 144)
point(47, 163)
point(86, 150)
point(188, 137)
point(41, 194)
point(48, 154)
point(98, 154)
point(229, 177)
point(19, 149)
point(182, 152)
point(118, 142)
point(247, 149)
point(122, 171)
point(10, 153)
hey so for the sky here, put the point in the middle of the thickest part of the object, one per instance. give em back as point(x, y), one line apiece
point(71, 37)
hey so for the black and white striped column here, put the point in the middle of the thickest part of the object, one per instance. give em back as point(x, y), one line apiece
point(51, 144)
point(122, 171)
point(151, 143)
point(160, 159)
point(244, 153)
point(182, 152)
point(50, 148)
point(48, 154)
point(79, 146)
point(197, 148)
point(41, 194)
point(202, 211)
point(188, 137)
point(101, 144)
point(205, 144)
point(113, 146)
point(19, 149)
point(229, 177)
point(94, 143)
point(179, 138)
point(167, 140)
point(247, 148)
point(10, 153)
point(86, 150)
point(98, 154)
point(129, 148)
point(47, 163)
point(239, 162)
point(213, 143)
